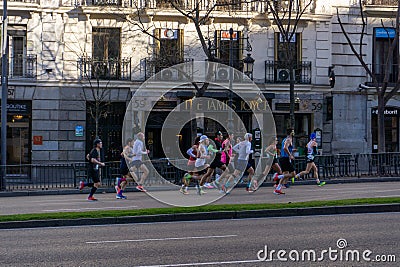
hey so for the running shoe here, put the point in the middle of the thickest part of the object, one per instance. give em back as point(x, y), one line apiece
point(202, 192)
point(278, 192)
point(208, 186)
point(120, 196)
point(184, 191)
point(141, 188)
point(321, 183)
point(293, 180)
point(81, 185)
point(91, 198)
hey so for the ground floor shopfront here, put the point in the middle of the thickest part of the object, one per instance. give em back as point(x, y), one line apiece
point(50, 123)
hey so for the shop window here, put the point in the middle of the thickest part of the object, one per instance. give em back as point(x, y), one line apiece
point(391, 129)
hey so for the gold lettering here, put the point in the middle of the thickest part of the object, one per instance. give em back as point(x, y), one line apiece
point(188, 104)
point(211, 105)
point(221, 105)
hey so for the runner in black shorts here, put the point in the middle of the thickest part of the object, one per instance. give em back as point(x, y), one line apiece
point(286, 162)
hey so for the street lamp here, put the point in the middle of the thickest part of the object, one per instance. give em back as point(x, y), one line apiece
point(248, 65)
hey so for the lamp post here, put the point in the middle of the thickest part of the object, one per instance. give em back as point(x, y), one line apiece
point(230, 118)
point(248, 65)
point(4, 95)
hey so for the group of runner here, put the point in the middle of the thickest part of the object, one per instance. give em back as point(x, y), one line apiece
point(285, 170)
point(232, 157)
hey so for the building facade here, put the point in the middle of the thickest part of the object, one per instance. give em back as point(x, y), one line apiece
point(66, 56)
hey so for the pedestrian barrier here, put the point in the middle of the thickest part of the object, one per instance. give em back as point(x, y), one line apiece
point(68, 175)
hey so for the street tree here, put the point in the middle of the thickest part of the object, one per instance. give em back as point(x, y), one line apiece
point(286, 18)
point(384, 90)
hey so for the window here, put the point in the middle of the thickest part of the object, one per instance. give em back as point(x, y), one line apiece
point(383, 38)
point(222, 40)
point(287, 53)
point(106, 52)
point(17, 50)
point(168, 48)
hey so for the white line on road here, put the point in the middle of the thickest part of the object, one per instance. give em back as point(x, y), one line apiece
point(159, 239)
point(102, 208)
point(201, 263)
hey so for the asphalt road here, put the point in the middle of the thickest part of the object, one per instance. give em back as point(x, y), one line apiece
point(139, 200)
point(210, 243)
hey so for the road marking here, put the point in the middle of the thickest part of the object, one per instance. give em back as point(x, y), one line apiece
point(102, 208)
point(160, 239)
point(201, 263)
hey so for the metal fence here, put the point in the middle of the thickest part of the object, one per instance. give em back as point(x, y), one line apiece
point(67, 176)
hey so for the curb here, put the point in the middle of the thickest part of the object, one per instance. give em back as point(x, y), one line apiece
point(221, 215)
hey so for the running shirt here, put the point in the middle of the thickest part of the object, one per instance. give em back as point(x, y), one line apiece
point(311, 150)
point(201, 161)
point(244, 150)
point(283, 152)
point(138, 150)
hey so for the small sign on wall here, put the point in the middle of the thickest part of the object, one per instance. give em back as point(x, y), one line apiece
point(79, 130)
point(38, 140)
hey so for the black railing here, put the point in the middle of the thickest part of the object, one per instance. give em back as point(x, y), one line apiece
point(22, 66)
point(379, 71)
point(59, 176)
point(112, 69)
point(277, 72)
point(154, 65)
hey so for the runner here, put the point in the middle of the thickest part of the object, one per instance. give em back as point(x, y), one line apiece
point(94, 169)
point(216, 163)
point(243, 149)
point(272, 151)
point(192, 171)
point(312, 150)
point(139, 150)
point(200, 164)
point(286, 162)
point(127, 176)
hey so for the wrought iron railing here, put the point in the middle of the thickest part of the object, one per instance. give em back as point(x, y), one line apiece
point(379, 71)
point(154, 65)
point(22, 66)
point(60, 176)
point(111, 69)
point(277, 72)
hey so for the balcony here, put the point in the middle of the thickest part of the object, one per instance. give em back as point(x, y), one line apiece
point(111, 69)
point(154, 65)
point(379, 71)
point(276, 72)
point(22, 67)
